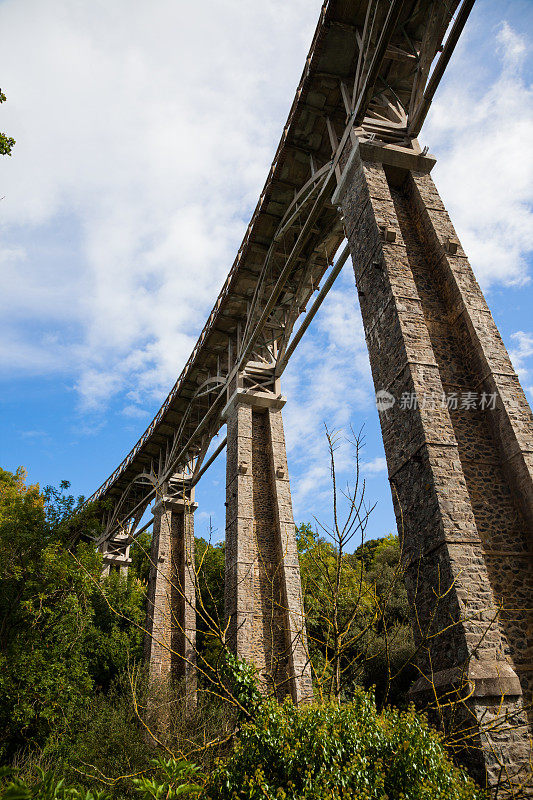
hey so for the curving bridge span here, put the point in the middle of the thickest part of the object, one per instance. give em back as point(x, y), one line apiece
point(365, 75)
point(349, 165)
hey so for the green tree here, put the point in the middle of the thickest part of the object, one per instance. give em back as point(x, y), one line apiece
point(337, 608)
point(46, 612)
point(372, 614)
point(114, 641)
point(210, 570)
point(355, 603)
point(64, 629)
point(140, 556)
point(389, 647)
point(7, 143)
point(365, 552)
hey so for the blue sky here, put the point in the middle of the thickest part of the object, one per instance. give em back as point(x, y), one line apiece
point(144, 135)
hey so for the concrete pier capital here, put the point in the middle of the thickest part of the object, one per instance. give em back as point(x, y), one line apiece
point(255, 399)
point(179, 504)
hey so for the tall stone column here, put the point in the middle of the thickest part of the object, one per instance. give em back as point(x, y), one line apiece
point(458, 436)
point(170, 642)
point(263, 593)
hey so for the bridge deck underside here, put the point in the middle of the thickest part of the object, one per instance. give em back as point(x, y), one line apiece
point(341, 55)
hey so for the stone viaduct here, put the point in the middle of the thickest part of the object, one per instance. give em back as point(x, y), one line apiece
point(459, 455)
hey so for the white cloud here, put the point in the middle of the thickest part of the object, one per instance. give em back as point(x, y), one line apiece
point(33, 355)
point(143, 137)
point(36, 435)
point(95, 386)
point(135, 412)
point(485, 167)
point(376, 466)
point(513, 45)
point(520, 353)
point(144, 133)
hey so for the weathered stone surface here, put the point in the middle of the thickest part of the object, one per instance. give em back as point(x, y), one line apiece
point(461, 475)
point(263, 593)
point(170, 642)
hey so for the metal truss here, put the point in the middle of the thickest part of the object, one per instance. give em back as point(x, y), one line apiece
point(382, 99)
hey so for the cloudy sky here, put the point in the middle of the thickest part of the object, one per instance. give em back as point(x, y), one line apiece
point(144, 134)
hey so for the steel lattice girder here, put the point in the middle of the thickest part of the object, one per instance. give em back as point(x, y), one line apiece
point(367, 75)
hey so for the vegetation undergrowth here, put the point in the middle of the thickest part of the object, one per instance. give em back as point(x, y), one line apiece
point(338, 751)
point(77, 714)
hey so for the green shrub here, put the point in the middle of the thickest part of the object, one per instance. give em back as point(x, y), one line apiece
point(242, 681)
point(332, 752)
point(107, 741)
point(47, 787)
point(175, 779)
point(66, 632)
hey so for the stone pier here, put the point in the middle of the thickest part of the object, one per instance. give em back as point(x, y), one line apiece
point(458, 437)
point(263, 594)
point(170, 643)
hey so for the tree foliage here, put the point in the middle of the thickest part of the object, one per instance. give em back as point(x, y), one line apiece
point(372, 611)
point(140, 556)
point(339, 751)
point(7, 143)
point(69, 640)
point(64, 630)
point(210, 570)
point(372, 607)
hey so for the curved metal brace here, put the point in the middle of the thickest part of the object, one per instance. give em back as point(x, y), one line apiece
point(215, 384)
point(150, 477)
point(305, 194)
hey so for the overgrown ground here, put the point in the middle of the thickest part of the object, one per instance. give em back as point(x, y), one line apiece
point(76, 717)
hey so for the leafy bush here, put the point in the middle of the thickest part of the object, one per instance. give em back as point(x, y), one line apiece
point(333, 752)
point(48, 787)
point(106, 741)
point(175, 779)
point(242, 680)
point(45, 612)
point(372, 611)
point(210, 566)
